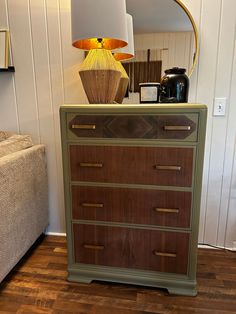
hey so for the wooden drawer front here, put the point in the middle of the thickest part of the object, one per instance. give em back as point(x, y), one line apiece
point(131, 248)
point(134, 126)
point(138, 165)
point(138, 206)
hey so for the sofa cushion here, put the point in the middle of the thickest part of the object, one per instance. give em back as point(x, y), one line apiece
point(4, 135)
point(15, 143)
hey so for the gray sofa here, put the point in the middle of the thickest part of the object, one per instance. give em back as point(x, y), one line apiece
point(23, 197)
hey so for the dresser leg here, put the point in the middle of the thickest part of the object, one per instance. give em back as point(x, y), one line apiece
point(79, 278)
point(187, 292)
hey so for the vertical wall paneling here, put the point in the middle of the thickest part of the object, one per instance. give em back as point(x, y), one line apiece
point(178, 45)
point(25, 81)
point(165, 55)
point(8, 106)
point(231, 222)
point(219, 127)
point(72, 58)
point(224, 128)
point(229, 186)
point(57, 221)
point(209, 32)
point(43, 90)
point(3, 15)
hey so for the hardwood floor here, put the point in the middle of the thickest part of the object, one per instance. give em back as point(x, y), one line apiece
point(38, 285)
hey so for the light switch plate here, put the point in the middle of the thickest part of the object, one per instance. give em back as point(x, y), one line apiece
point(219, 107)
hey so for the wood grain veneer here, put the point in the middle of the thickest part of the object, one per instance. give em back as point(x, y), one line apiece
point(134, 126)
point(138, 206)
point(132, 164)
point(131, 248)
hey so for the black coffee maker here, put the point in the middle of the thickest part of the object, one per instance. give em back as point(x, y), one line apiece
point(174, 86)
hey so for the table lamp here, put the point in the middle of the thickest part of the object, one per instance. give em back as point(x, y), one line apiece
point(124, 54)
point(99, 26)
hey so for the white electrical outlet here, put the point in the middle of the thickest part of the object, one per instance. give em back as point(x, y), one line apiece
point(219, 107)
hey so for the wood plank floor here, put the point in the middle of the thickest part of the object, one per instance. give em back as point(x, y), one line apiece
point(38, 285)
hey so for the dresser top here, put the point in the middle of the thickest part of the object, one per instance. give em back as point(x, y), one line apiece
point(140, 108)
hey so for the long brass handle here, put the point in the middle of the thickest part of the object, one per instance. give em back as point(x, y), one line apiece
point(177, 127)
point(164, 254)
point(99, 205)
point(91, 164)
point(167, 210)
point(94, 246)
point(84, 126)
point(172, 168)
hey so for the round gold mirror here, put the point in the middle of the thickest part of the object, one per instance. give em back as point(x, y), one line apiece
point(164, 30)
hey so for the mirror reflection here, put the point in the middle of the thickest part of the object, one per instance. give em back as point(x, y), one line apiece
point(164, 38)
point(165, 28)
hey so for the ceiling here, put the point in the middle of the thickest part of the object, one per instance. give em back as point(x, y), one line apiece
point(151, 16)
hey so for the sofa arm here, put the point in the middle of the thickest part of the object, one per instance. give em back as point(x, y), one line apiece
point(23, 203)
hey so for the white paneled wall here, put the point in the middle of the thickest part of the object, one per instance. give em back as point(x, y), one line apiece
point(177, 48)
point(46, 77)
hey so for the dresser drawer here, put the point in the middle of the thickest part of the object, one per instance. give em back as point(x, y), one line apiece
point(137, 206)
point(132, 165)
point(178, 126)
point(131, 248)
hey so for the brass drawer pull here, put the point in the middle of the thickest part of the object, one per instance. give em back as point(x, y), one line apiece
point(84, 126)
point(165, 254)
point(172, 168)
point(100, 205)
point(167, 210)
point(91, 165)
point(177, 127)
point(93, 247)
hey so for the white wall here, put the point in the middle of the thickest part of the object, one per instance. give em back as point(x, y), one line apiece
point(46, 77)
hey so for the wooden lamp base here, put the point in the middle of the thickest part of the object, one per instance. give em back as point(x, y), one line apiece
point(100, 85)
point(100, 76)
point(123, 85)
point(124, 81)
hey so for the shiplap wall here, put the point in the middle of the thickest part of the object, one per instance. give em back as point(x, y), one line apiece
point(46, 77)
point(177, 48)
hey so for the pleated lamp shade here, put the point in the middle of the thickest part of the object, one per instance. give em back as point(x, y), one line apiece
point(127, 52)
point(99, 19)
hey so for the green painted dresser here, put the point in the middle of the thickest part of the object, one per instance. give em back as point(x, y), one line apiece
point(132, 180)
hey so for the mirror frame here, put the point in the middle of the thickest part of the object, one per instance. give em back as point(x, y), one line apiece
point(180, 3)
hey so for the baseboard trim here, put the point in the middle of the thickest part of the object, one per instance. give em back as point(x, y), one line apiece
point(205, 246)
point(58, 234)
